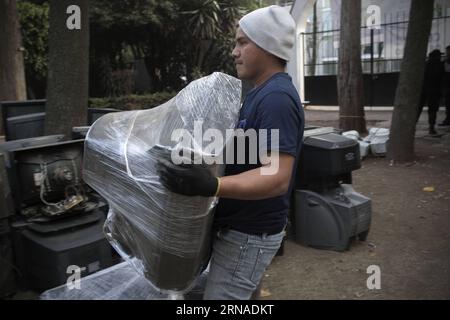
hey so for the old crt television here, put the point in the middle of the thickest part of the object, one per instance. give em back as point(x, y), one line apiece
point(20, 108)
point(11, 109)
point(6, 147)
point(46, 172)
point(80, 132)
point(56, 236)
point(26, 126)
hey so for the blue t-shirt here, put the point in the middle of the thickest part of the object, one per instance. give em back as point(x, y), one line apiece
point(273, 105)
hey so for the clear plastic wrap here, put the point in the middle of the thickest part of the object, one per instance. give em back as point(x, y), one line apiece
point(119, 282)
point(165, 236)
point(378, 139)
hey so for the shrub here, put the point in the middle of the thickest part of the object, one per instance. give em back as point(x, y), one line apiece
point(132, 102)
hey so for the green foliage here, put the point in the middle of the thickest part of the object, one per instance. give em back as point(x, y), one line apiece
point(211, 38)
point(203, 21)
point(132, 102)
point(129, 20)
point(179, 40)
point(34, 25)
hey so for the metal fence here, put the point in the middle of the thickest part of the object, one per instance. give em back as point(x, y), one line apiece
point(381, 48)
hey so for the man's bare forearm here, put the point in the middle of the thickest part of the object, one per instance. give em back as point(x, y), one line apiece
point(251, 185)
point(254, 185)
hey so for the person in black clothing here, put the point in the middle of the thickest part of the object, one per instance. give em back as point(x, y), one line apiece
point(431, 92)
point(447, 88)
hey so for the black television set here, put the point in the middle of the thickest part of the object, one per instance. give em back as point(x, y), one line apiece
point(6, 147)
point(95, 113)
point(30, 142)
point(45, 173)
point(80, 132)
point(6, 207)
point(25, 126)
point(11, 109)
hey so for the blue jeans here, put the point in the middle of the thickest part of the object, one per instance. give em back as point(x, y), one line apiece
point(238, 263)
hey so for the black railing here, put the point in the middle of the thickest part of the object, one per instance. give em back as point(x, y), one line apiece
point(381, 48)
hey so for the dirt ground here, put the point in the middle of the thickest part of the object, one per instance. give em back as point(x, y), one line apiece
point(409, 237)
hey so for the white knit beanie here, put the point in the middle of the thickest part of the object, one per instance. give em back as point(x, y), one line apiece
point(271, 28)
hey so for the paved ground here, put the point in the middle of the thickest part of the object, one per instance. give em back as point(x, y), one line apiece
point(409, 239)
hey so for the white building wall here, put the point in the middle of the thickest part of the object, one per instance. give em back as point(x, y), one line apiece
point(392, 37)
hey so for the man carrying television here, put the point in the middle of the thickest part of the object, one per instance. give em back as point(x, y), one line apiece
point(253, 208)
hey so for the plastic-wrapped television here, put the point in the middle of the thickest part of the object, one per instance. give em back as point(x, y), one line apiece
point(165, 236)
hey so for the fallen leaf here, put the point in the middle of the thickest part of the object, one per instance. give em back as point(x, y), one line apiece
point(265, 293)
point(428, 189)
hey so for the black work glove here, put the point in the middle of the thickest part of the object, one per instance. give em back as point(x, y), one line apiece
point(187, 179)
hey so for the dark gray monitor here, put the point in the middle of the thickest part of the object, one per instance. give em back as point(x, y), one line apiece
point(6, 147)
point(20, 108)
point(79, 132)
point(25, 126)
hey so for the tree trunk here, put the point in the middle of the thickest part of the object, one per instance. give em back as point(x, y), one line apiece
point(68, 69)
point(403, 125)
point(350, 78)
point(12, 72)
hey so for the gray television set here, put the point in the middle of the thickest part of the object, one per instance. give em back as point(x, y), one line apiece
point(26, 119)
point(11, 109)
point(59, 163)
point(25, 126)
